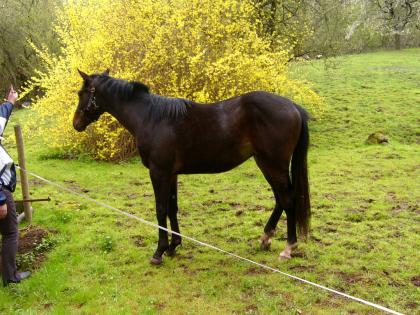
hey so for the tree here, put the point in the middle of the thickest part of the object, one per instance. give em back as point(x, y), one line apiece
point(21, 24)
point(284, 23)
point(340, 27)
point(347, 26)
point(397, 16)
point(329, 20)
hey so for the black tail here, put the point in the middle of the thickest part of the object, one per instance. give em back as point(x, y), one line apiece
point(300, 182)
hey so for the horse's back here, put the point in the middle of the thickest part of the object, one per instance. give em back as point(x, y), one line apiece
point(269, 105)
point(246, 116)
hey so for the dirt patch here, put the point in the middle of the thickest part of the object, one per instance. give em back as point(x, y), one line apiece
point(34, 243)
point(250, 175)
point(401, 205)
point(263, 208)
point(212, 202)
point(257, 271)
point(34, 182)
point(298, 253)
point(330, 228)
point(236, 205)
point(404, 206)
point(412, 305)
point(393, 156)
point(391, 196)
point(48, 306)
point(350, 278)
point(251, 309)
point(31, 238)
point(302, 268)
point(73, 185)
point(133, 196)
point(188, 271)
point(138, 240)
point(330, 196)
point(416, 281)
point(138, 183)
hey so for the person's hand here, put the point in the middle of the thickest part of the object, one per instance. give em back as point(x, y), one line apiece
point(3, 211)
point(12, 96)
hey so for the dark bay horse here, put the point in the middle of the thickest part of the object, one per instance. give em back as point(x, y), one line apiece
point(176, 136)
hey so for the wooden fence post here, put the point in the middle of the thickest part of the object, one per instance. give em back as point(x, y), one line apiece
point(23, 176)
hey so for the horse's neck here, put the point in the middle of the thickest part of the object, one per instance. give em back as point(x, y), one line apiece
point(127, 115)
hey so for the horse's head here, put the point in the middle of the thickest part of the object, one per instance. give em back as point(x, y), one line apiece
point(88, 110)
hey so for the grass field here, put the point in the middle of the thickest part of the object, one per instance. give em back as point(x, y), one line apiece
point(365, 236)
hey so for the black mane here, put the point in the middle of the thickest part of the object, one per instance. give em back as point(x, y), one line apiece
point(121, 89)
point(167, 107)
point(160, 107)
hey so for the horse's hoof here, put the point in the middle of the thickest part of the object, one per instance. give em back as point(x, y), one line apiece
point(265, 242)
point(287, 253)
point(284, 256)
point(156, 260)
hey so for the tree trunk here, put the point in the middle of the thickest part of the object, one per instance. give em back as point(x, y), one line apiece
point(397, 41)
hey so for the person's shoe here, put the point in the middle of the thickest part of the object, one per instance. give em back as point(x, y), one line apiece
point(21, 275)
point(24, 275)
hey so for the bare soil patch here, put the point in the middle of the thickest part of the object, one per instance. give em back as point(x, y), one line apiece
point(34, 243)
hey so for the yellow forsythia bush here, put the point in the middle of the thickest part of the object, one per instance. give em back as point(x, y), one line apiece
point(203, 50)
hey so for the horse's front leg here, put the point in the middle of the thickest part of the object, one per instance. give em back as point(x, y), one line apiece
point(161, 182)
point(172, 214)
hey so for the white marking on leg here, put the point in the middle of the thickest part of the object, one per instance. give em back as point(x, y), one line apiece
point(287, 252)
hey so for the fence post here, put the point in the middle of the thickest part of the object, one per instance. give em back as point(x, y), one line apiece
point(23, 176)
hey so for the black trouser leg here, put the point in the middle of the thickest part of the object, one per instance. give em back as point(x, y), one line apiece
point(9, 232)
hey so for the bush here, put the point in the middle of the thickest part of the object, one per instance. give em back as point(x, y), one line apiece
point(203, 50)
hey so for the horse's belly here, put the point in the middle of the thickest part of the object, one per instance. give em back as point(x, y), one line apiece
point(216, 161)
point(210, 167)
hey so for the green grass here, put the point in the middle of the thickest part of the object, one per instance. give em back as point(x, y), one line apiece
point(365, 228)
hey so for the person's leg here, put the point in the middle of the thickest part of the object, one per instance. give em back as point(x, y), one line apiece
point(9, 232)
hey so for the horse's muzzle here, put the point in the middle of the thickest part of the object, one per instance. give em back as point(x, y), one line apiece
point(78, 126)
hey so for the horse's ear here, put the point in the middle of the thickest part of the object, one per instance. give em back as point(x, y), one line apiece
point(84, 75)
point(106, 72)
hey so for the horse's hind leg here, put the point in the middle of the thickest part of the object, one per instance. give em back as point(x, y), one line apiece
point(172, 214)
point(291, 235)
point(279, 180)
point(270, 227)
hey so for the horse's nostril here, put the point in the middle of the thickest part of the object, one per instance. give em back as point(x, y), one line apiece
point(79, 128)
point(76, 122)
point(76, 125)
